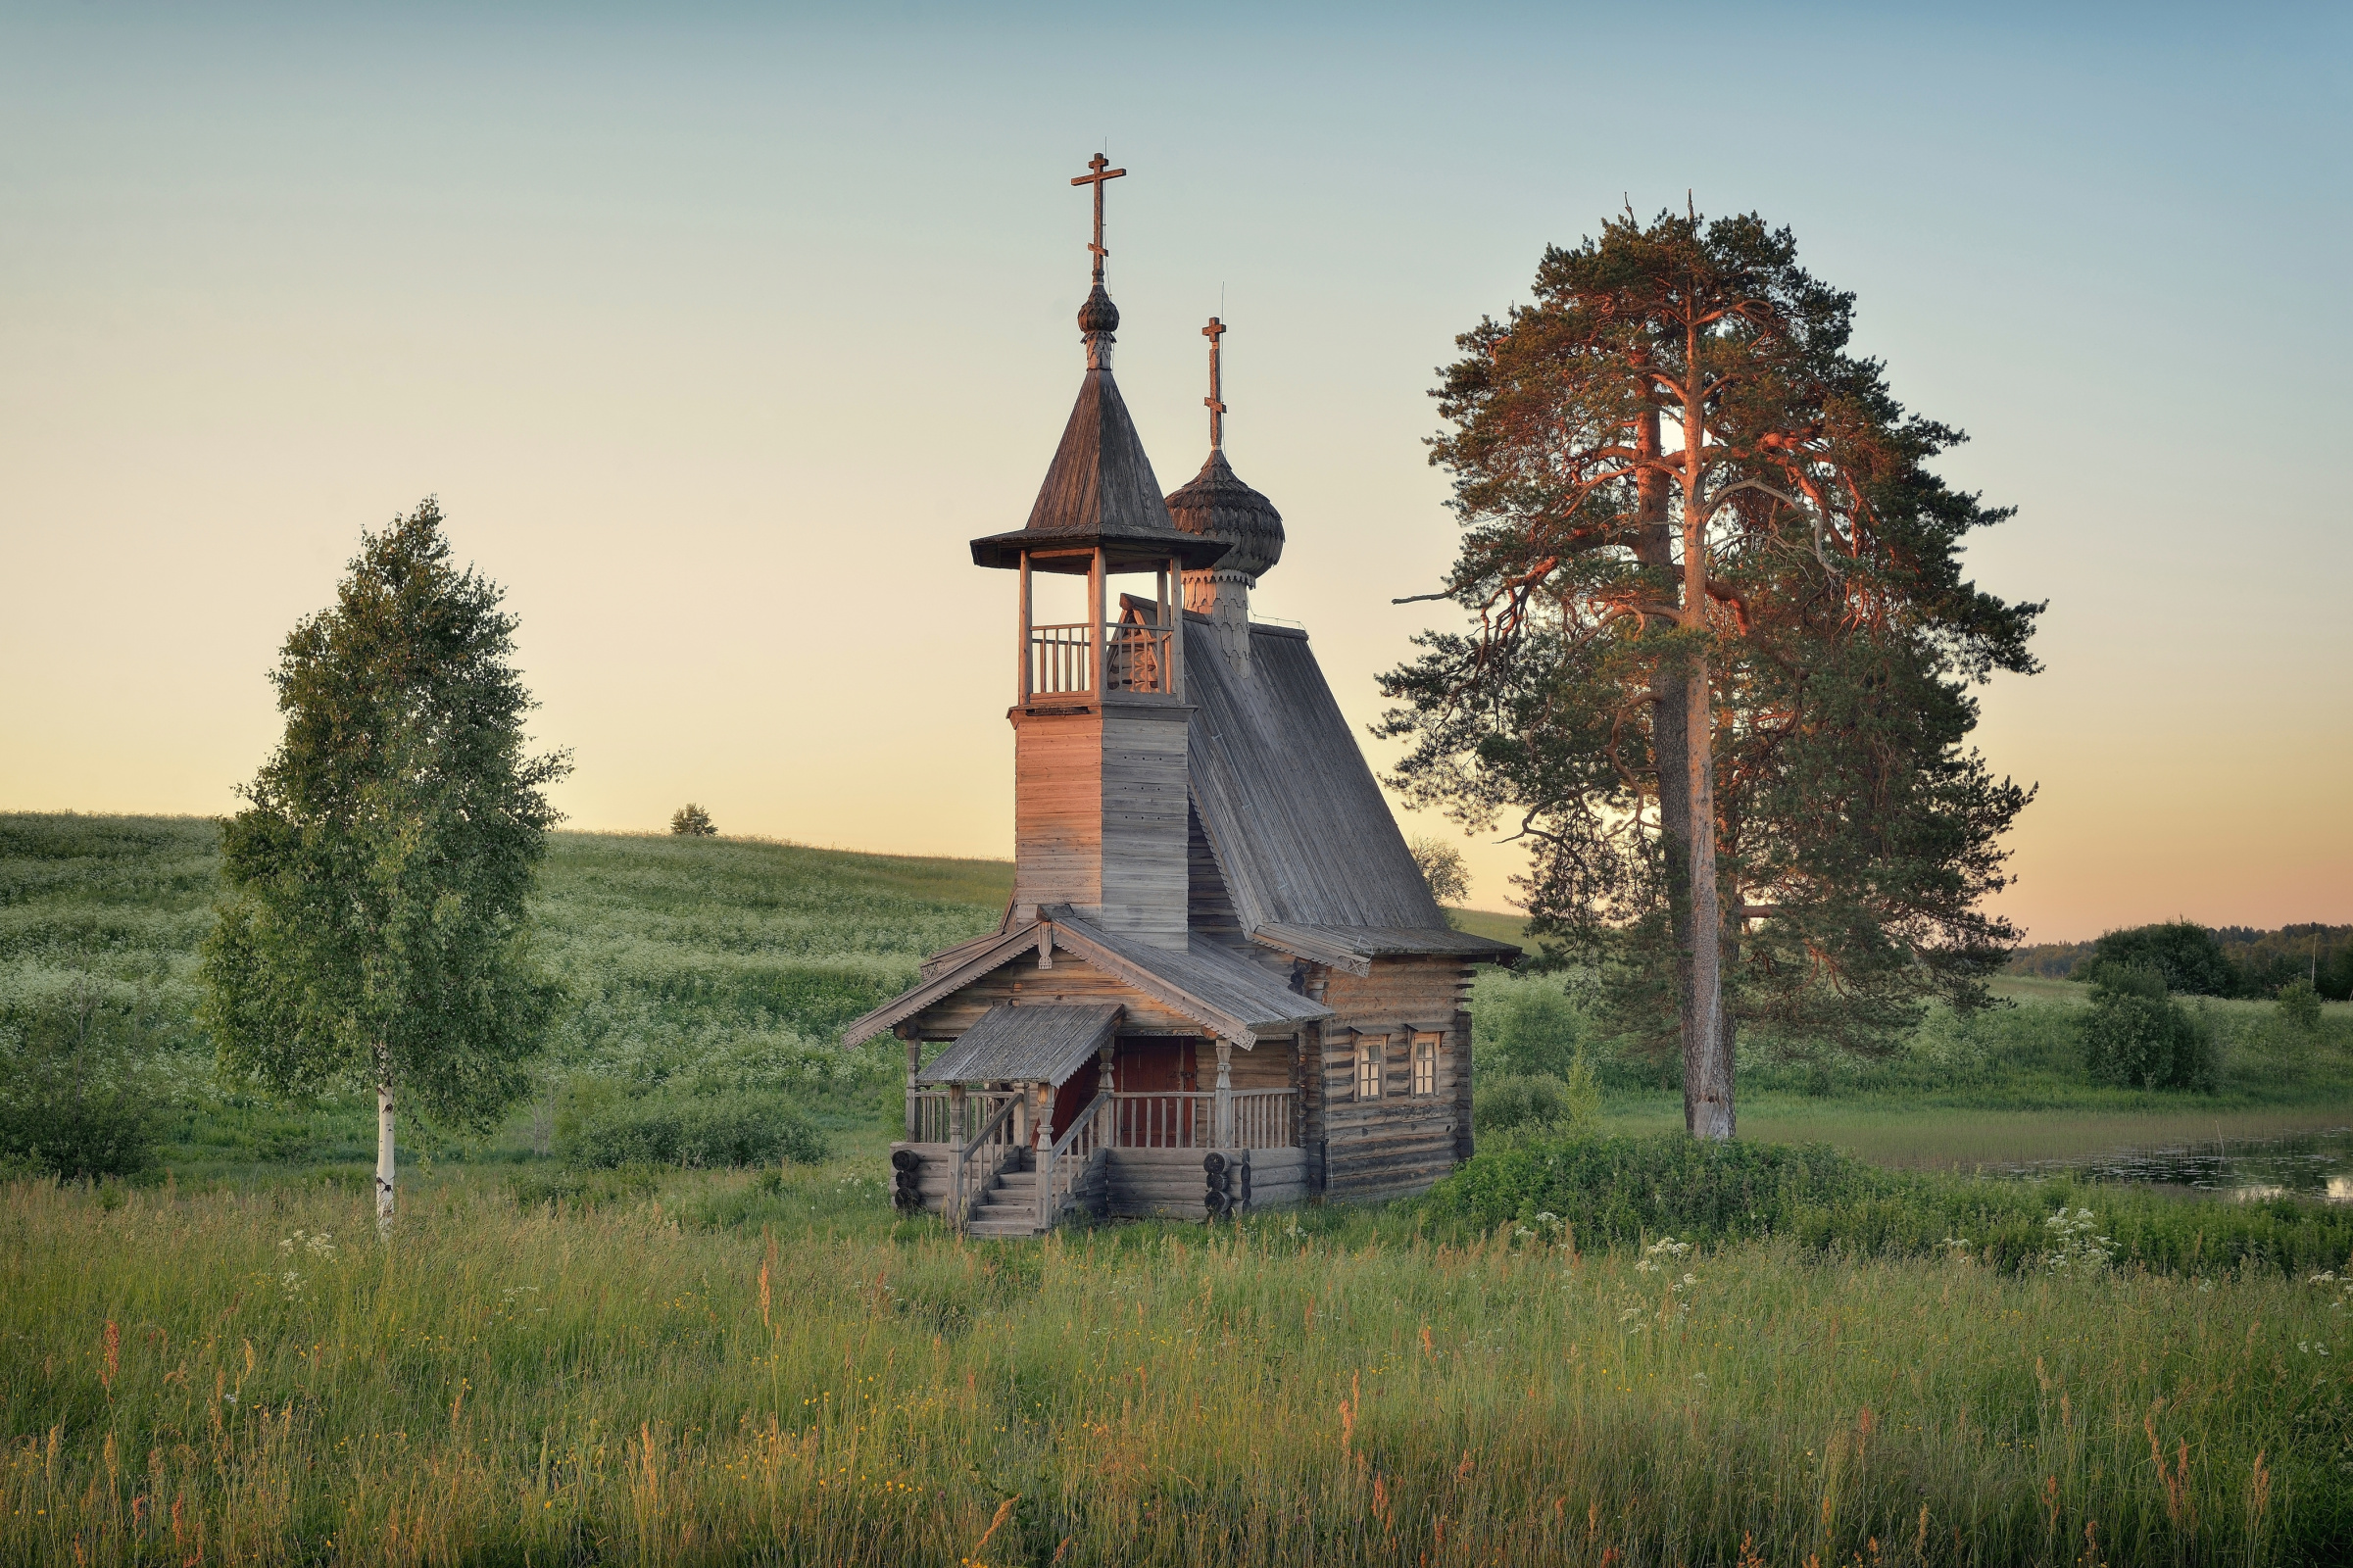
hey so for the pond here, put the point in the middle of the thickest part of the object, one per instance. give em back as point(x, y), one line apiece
point(2316, 1165)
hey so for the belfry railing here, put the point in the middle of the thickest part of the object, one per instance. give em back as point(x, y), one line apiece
point(1138, 657)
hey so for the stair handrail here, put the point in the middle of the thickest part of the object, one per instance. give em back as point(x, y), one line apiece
point(959, 1179)
point(1078, 1144)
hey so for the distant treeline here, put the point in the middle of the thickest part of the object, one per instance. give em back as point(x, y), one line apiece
point(2231, 961)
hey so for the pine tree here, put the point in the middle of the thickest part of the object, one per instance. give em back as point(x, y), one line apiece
point(375, 931)
point(1723, 649)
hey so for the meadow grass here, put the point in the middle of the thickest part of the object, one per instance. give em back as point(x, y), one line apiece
point(722, 1373)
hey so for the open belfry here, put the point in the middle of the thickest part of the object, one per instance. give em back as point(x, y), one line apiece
point(1222, 981)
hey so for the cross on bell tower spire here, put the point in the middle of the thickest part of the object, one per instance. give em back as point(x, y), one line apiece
point(1215, 401)
point(1103, 170)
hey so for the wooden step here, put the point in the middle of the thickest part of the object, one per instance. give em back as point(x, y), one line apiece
point(1026, 1226)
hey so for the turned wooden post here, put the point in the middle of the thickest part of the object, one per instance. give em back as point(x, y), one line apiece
point(914, 1064)
point(1225, 1093)
point(1045, 1159)
point(1107, 1115)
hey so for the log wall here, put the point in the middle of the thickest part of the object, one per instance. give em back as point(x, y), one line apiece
point(1401, 1141)
point(1099, 815)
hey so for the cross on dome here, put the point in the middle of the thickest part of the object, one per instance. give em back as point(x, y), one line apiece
point(1215, 400)
point(1102, 171)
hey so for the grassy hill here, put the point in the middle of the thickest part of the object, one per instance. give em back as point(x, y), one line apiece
point(697, 1367)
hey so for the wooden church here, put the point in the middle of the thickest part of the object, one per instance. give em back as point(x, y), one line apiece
point(1222, 981)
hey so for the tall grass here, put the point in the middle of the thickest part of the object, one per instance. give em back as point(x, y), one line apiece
point(190, 1377)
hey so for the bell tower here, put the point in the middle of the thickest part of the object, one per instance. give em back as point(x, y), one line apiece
point(1100, 717)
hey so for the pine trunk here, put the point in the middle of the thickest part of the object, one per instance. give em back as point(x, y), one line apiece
point(1670, 720)
point(383, 1155)
point(1707, 1052)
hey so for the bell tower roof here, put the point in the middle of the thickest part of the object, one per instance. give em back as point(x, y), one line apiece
point(1100, 493)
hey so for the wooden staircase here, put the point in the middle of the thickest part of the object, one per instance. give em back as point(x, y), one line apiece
point(1010, 1206)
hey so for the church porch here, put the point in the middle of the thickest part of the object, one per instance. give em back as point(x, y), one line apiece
point(1140, 1125)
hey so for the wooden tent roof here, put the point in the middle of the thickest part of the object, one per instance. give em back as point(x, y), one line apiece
point(1099, 491)
point(1035, 1045)
point(1310, 855)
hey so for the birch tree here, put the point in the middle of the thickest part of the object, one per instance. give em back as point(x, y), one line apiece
point(375, 931)
point(1708, 570)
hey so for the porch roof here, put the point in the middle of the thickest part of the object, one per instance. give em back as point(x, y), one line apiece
point(1024, 1045)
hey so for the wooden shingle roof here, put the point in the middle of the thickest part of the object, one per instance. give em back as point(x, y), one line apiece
point(1298, 826)
point(1039, 1044)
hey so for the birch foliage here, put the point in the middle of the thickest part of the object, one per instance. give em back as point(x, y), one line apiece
point(374, 930)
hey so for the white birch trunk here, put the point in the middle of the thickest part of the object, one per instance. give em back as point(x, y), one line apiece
point(383, 1157)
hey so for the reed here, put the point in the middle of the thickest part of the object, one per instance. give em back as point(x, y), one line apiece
point(731, 1371)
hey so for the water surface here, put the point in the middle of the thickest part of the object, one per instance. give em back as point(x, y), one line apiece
point(2316, 1165)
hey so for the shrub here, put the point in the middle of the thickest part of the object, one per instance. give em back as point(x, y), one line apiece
point(1510, 1103)
point(2136, 1036)
point(1524, 1027)
point(2300, 1006)
point(688, 1130)
point(692, 821)
point(79, 1095)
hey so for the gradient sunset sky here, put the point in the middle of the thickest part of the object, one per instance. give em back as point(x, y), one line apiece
point(718, 331)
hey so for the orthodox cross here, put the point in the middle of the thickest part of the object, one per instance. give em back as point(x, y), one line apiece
point(1215, 400)
point(1102, 172)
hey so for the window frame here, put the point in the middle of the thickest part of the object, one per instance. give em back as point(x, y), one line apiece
point(1423, 1054)
point(1371, 1065)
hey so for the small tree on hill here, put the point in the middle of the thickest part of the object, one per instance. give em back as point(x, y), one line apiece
point(1441, 865)
point(692, 821)
point(2183, 953)
point(374, 930)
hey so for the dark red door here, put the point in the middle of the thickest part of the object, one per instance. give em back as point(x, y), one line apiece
point(1156, 1065)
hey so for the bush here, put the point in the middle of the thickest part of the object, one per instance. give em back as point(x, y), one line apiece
point(1508, 1101)
point(1622, 1190)
point(692, 821)
point(2300, 1006)
point(2137, 1037)
point(78, 1091)
point(1511, 1103)
point(687, 1130)
point(1524, 1028)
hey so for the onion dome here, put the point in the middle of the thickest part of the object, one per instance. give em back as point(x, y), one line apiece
point(1099, 314)
point(1218, 504)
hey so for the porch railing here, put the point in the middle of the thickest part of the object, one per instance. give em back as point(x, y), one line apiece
point(1251, 1118)
point(1058, 1174)
point(931, 1114)
point(979, 1159)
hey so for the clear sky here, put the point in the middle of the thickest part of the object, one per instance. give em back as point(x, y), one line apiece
point(719, 331)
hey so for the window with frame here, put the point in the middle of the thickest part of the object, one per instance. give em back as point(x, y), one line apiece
point(1368, 1066)
point(1425, 1064)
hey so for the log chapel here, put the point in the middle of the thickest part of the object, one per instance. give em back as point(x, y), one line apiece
point(1222, 981)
